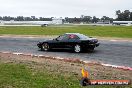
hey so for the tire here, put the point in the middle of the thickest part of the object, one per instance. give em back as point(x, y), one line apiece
point(45, 47)
point(77, 48)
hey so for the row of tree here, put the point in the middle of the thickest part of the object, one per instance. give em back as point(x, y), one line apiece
point(124, 16)
point(88, 19)
point(21, 18)
point(121, 16)
point(84, 19)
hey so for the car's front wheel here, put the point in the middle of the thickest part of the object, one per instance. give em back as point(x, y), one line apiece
point(45, 46)
point(91, 49)
point(77, 48)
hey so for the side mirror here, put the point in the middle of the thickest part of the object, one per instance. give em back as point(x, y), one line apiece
point(55, 39)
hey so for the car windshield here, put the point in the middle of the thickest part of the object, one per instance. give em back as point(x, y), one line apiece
point(81, 36)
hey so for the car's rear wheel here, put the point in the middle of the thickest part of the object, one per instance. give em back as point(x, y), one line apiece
point(45, 47)
point(77, 48)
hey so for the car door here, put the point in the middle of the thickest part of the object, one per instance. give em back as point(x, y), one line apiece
point(69, 40)
point(60, 41)
point(65, 41)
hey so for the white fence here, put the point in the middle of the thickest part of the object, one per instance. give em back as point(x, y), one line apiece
point(54, 21)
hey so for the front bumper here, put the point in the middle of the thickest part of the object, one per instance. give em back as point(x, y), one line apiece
point(95, 45)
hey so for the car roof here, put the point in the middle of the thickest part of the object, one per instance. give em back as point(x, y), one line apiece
point(73, 33)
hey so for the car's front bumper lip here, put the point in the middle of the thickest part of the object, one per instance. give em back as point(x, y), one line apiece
point(96, 44)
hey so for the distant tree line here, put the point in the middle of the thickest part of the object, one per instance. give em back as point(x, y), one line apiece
point(124, 16)
point(21, 18)
point(88, 19)
point(121, 16)
point(82, 19)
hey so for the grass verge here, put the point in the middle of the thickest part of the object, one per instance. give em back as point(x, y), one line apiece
point(18, 71)
point(102, 31)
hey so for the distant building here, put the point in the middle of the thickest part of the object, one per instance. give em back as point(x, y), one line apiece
point(127, 23)
point(57, 20)
point(1, 22)
point(12, 22)
point(103, 22)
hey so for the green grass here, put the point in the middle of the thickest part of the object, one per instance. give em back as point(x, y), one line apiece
point(14, 75)
point(102, 31)
point(20, 76)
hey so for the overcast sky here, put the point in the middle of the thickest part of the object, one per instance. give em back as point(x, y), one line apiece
point(63, 8)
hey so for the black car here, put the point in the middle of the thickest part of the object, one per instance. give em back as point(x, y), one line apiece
point(74, 41)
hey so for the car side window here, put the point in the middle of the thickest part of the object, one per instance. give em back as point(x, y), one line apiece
point(74, 37)
point(63, 37)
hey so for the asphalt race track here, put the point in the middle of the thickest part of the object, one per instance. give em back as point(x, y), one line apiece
point(111, 52)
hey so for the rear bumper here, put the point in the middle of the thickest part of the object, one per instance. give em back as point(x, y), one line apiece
point(39, 45)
